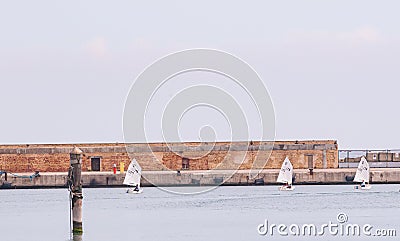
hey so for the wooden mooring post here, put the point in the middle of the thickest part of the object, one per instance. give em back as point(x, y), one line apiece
point(75, 188)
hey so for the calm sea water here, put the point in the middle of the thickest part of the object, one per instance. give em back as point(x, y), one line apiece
point(226, 213)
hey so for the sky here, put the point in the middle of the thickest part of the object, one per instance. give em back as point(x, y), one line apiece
point(331, 67)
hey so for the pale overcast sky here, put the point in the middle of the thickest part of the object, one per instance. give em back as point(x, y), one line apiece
point(331, 67)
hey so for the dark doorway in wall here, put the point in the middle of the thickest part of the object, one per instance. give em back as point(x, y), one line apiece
point(95, 163)
point(185, 163)
point(310, 161)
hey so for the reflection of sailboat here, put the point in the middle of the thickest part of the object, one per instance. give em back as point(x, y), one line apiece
point(286, 176)
point(362, 175)
point(132, 177)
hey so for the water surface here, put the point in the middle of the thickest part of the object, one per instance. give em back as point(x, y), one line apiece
point(226, 213)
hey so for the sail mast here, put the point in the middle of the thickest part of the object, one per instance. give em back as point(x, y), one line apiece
point(133, 174)
point(286, 172)
point(362, 174)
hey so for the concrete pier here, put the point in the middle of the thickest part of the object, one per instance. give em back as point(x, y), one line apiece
point(171, 178)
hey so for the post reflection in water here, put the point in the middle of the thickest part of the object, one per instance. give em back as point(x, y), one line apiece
point(77, 238)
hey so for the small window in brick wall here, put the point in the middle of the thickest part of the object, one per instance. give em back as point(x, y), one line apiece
point(95, 163)
point(185, 163)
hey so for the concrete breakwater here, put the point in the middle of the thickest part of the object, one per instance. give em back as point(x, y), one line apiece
point(200, 178)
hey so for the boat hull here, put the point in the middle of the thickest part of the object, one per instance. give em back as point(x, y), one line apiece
point(285, 188)
point(359, 187)
point(132, 191)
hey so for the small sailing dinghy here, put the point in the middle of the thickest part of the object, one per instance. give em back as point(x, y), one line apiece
point(362, 175)
point(286, 176)
point(132, 177)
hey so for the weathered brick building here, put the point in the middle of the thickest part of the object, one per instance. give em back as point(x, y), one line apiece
point(190, 156)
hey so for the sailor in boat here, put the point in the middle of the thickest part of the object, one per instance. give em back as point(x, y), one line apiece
point(136, 189)
point(363, 184)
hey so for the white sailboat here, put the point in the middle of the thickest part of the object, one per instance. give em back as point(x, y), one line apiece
point(362, 175)
point(132, 177)
point(286, 176)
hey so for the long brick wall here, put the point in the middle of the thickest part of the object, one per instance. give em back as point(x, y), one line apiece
point(159, 156)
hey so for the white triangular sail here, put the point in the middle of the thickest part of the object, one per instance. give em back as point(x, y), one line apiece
point(286, 172)
point(362, 174)
point(133, 175)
